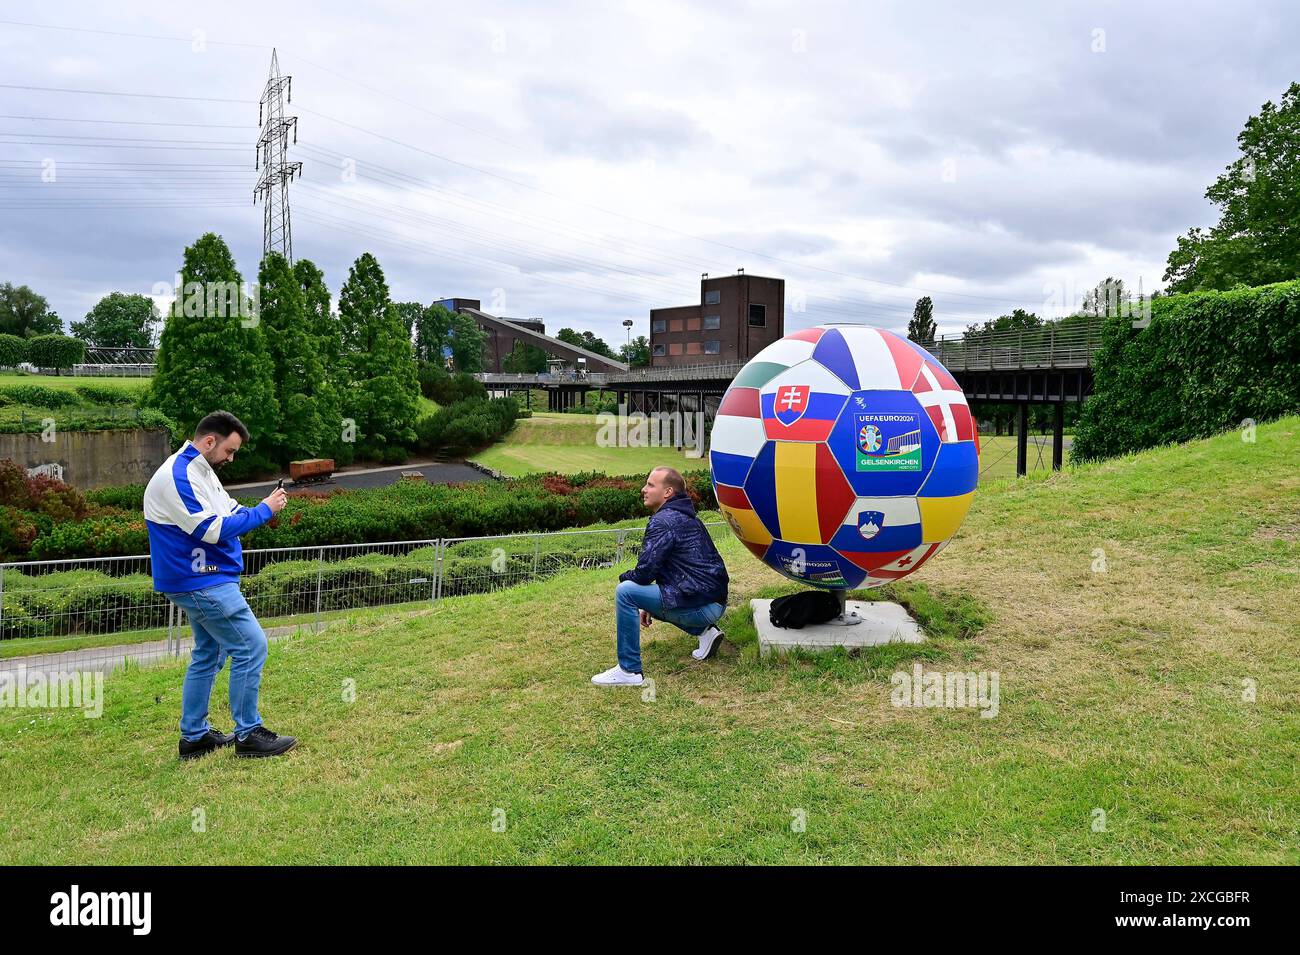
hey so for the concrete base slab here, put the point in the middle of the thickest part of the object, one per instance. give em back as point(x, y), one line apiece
point(881, 623)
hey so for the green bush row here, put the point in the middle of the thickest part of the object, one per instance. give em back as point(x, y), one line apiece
point(43, 351)
point(83, 601)
point(1206, 361)
point(407, 510)
point(466, 425)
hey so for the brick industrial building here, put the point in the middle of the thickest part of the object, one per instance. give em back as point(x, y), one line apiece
point(737, 317)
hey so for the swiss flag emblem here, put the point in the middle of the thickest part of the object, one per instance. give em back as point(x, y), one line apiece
point(791, 402)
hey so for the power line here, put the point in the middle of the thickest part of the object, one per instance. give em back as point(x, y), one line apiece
point(33, 142)
point(654, 225)
point(910, 289)
point(60, 89)
point(78, 163)
point(137, 36)
point(130, 139)
point(128, 122)
point(262, 46)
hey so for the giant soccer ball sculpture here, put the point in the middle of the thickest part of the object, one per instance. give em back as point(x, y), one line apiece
point(844, 456)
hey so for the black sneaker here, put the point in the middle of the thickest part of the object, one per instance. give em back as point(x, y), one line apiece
point(262, 742)
point(212, 740)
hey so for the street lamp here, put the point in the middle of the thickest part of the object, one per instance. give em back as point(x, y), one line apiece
point(627, 323)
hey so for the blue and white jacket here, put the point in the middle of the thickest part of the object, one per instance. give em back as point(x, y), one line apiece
point(194, 525)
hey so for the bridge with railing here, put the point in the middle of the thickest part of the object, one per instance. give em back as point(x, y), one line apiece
point(1050, 364)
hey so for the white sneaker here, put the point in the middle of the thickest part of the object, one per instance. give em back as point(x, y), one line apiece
point(710, 640)
point(617, 676)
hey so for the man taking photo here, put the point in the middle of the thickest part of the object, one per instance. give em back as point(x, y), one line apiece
point(679, 577)
point(194, 528)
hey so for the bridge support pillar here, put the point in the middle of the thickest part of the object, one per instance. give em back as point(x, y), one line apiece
point(1022, 438)
point(1058, 435)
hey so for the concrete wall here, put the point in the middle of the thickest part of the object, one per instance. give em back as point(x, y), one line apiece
point(92, 459)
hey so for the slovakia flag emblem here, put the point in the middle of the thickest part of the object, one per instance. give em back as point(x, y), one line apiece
point(791, 402)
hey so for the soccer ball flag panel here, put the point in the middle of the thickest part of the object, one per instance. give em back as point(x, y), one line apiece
point(844, 456)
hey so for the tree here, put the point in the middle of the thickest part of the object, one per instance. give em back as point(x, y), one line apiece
point(638, 356)
point(585, 340)
point(383, 393)
point(1257, 238)
point(524, 359)
point(324, 323)
point(55, 351)
point(309, 423)
point(119, 320)
point(25, 314)
point(212, 356)
point(921, 328)
point(431, 330)
point(1108, 299)
point(410, 313)
point(999, 415)
point(466, 341)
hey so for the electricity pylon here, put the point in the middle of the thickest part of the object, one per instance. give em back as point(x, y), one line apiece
point(276, 172)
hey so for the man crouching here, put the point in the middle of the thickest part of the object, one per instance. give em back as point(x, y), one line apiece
point(679, 577)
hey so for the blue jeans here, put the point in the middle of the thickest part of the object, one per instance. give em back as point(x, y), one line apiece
point(223, 624)
point(630, 598)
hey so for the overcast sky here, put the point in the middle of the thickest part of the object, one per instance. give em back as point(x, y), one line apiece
point(585, 162)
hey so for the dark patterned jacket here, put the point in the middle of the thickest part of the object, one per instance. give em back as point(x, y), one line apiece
point(679, 554)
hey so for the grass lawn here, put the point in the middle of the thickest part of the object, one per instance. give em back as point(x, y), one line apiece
point(554, 441)
point(70, 382)
point(1127, 608)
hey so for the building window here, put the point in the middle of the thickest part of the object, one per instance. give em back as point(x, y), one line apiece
point(675, 325)
point(659, 351)
point(692, 348)
point(712, 322)
point(659, 325)
point(757, 316)
point(674, 348)
point(713, 348)
point(713, 297)
point(692, 324)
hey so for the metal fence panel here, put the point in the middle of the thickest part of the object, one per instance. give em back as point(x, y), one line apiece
point(56, 604)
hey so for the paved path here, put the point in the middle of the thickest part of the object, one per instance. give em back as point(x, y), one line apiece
point(108, 659)
point(434, 473)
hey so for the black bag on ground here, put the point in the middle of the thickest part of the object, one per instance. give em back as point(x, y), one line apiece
point(794, 611)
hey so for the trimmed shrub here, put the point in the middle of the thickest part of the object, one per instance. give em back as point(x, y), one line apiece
point(103, 395)
point(13, 351)
point(55, 351)
point(129, 497)
point(109, 535)
point(40, 396)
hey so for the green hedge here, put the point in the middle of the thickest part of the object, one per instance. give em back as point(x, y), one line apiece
point(46, 605)
point(407, 510)
point(1206, 362)
point(39, 396)
point(13, 351)
point(128, 497)
point(55, 351)
point(467, 424)
point(107, 395)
